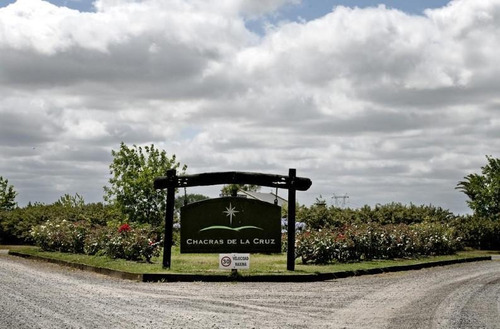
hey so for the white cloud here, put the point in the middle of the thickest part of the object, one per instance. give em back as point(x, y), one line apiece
point(376, 103)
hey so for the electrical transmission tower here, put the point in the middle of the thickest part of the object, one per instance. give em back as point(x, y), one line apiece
point(340, 201)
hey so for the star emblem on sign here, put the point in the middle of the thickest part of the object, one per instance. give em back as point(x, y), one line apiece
point(230, 211)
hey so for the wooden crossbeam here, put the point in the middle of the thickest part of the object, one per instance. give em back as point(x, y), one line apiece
point(233, 177)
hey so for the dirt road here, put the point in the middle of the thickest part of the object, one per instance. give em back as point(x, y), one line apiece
point(40, 295)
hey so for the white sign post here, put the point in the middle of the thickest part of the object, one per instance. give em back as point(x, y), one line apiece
point(234, 261)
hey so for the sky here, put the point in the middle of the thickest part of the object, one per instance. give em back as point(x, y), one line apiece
point(380, 101)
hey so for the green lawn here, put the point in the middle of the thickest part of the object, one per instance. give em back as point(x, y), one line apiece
point(208, 263)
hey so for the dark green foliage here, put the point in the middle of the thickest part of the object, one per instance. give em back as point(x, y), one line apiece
point(318, 216)
point(479, 232)
point(321, 216)
point(181, 200)
point(7, 195)
point(483, 190)
point(16, 224)
point(232, 189)
point(131, 187)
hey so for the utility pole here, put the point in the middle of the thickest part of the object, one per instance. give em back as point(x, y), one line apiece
point(337, 198)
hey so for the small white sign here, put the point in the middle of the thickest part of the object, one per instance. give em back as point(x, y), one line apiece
point(234, 261)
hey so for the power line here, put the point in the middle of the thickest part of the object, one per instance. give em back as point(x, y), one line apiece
point(340, 201)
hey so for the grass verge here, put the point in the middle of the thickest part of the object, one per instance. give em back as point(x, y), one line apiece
point(207, 264)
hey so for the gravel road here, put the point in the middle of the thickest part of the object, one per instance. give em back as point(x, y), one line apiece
point(40, 295)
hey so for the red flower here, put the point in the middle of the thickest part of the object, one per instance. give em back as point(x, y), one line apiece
point(340, 237)
point(124, 228)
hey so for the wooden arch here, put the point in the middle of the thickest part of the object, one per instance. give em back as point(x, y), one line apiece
point(171, 181)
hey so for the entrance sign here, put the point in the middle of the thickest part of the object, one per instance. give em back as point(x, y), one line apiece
point(231, 224)
point(171, 181)
point(234, 261)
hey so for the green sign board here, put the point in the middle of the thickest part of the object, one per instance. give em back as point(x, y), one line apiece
point(231, 224)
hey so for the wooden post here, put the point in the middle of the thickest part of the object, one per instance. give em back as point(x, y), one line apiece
point(169, 219)
point(290, 264)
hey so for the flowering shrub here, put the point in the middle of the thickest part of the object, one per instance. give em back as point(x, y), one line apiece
point(435, 239)
point(61, 235)
point(316, 247)
point(132, 244)
point(124, 228)
point(79, 237)
point(375, 241)
point(97, 240)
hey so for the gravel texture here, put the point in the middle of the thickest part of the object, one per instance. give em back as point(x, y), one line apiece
point(40, 295)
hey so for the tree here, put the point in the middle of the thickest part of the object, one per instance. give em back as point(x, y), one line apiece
point(131, 187)
point(483, 190)
point(70, 201)
point(7, 195)
point(181, 200)
point(232, 189)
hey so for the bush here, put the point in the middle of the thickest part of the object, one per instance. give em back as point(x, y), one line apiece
point(63, 236)
point(478, 232)
point(436, 239)
point(375, 241)
point(125, 242)
point(132, 244)
point(320, 216)
point(323, 247)
point(15, 225)
point(97, 239)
